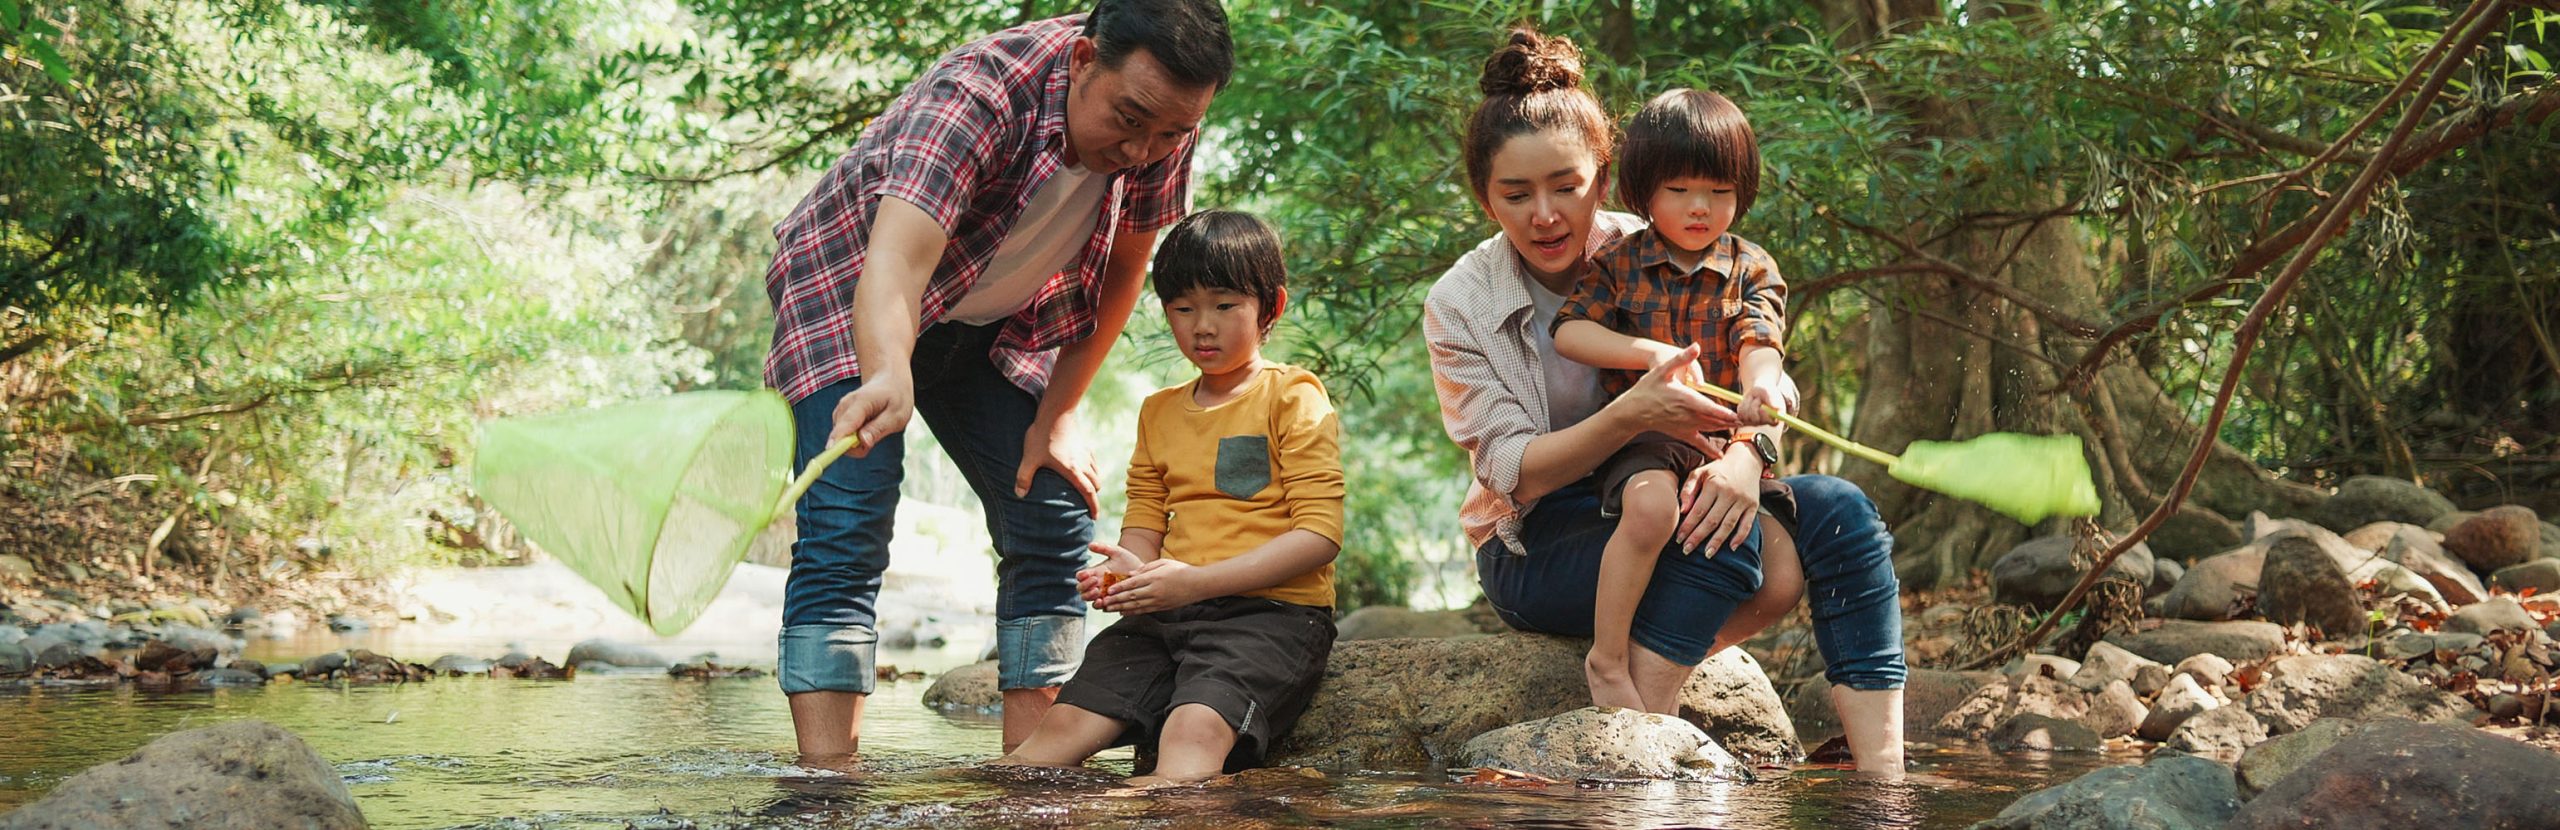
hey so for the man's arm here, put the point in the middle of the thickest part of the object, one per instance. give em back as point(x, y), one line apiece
point(905, 246)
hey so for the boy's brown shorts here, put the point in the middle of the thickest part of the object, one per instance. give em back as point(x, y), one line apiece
point(1255, 661)
point(1650, 451)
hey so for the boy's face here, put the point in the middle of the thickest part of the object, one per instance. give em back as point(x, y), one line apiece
point(1692, 212)
point(1219, 330)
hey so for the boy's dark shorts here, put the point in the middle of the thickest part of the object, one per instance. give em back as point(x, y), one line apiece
point(1255, 661)
point(1650, 451)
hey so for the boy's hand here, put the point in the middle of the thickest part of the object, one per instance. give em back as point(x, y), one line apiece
point(1773, 392)
point(1097, 579)
point(1156, 586)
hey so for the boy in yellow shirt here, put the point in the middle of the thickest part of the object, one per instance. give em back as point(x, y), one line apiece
point(1224, 570)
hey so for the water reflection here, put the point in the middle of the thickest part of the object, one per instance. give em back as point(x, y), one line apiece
point(649, 751)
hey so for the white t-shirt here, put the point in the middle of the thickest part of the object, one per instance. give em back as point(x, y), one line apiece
point(1053, 229)
point(1573, 389)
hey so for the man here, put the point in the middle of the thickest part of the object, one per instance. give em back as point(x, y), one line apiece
point(971, 260)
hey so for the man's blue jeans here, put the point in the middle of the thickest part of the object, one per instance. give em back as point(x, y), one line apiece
point(829, 636)
point(1848, 569)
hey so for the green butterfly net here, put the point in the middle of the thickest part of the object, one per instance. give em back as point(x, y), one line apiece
point(2024, 477)
point(654, 501)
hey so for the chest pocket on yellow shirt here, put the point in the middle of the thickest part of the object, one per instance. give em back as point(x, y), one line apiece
point(1244, 465)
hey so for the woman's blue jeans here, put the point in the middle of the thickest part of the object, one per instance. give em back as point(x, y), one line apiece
point(1848, 566)
point(829, 638)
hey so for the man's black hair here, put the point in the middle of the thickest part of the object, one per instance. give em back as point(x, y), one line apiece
point(1188, 36)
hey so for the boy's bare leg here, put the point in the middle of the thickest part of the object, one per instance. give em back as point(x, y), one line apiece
point(1194, 749)
point(1066, 738)
point(1023, 709)
point(1648, 511)
point(1872, 721)
point(828, 726)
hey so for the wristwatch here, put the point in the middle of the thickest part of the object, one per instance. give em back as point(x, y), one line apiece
point(1765, 446)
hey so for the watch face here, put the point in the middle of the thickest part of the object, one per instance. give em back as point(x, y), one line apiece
point(1767, 447)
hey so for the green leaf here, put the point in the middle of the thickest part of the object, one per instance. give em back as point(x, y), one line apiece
point(52, 60)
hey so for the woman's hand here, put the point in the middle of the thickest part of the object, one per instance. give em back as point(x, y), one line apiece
point(1662, 401)
point(1059, 447)
point(1719, 502)
point(1096, 580)
point(1156, 586)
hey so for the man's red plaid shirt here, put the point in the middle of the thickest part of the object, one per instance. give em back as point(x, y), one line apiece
point(970, 143)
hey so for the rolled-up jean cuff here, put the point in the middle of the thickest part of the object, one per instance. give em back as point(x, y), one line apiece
point(1868, 674)
point(827, 658)
point(1038, 652)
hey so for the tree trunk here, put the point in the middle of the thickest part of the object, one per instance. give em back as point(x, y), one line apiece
point(1951, 361)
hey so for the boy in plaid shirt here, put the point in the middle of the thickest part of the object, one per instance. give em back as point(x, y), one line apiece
point(1691, 167)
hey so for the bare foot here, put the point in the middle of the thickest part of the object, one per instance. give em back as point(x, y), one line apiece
point(833, 763)
point(1151, 782)
point(1611, 685)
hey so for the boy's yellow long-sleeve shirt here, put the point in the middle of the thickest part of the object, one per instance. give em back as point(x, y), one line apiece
point(1219, 481)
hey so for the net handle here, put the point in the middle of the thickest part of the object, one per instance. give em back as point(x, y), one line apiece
point(1825, 436)
point(809, 475)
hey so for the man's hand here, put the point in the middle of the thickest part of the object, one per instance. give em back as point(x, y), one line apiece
point(1097, 579)
point(876, 410)
point(1156, 586)
point(1059, 447)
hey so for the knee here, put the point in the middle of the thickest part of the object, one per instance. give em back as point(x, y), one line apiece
point(1834, 496)
point(1649, 508)
point(1196, 722)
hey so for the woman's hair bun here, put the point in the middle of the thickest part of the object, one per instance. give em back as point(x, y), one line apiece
point(1532, 63)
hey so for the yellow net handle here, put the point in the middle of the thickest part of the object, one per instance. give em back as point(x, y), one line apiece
point(1825, 436)
point(809, 476)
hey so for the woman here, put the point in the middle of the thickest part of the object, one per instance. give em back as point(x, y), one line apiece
point(1535, 425)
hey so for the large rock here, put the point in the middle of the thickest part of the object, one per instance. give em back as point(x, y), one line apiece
point(2223, 731)
point(970, 688)
point(2192, 533)
point(2115, 711)
point(1379, 622)
point(2169, 793)
point(618, 654)
point(2213, 588)
point(2107, 663)
point(2498, 537)
point(2265, 764)
point(1992, 705)
point(2165, 573)
point(2031, 732)
point(2417, 550)
point(14, 659)
point(1927, 696)
point(1412, 703)
point(1604, 743)
point(2540, 575)
point(243, 774)
point(2038, 572)
point(2175, 640)
point(2183, 699)
point(2303, 583)
point(1729, 697)
point(2398, 774)
point(2366, 499)
point(2304, 688)
point(2495, 614)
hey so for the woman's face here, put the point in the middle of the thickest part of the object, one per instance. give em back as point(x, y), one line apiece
point(1544, 189)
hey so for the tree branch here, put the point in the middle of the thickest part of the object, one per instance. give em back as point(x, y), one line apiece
point(2482, 19)
point(2068, 323)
